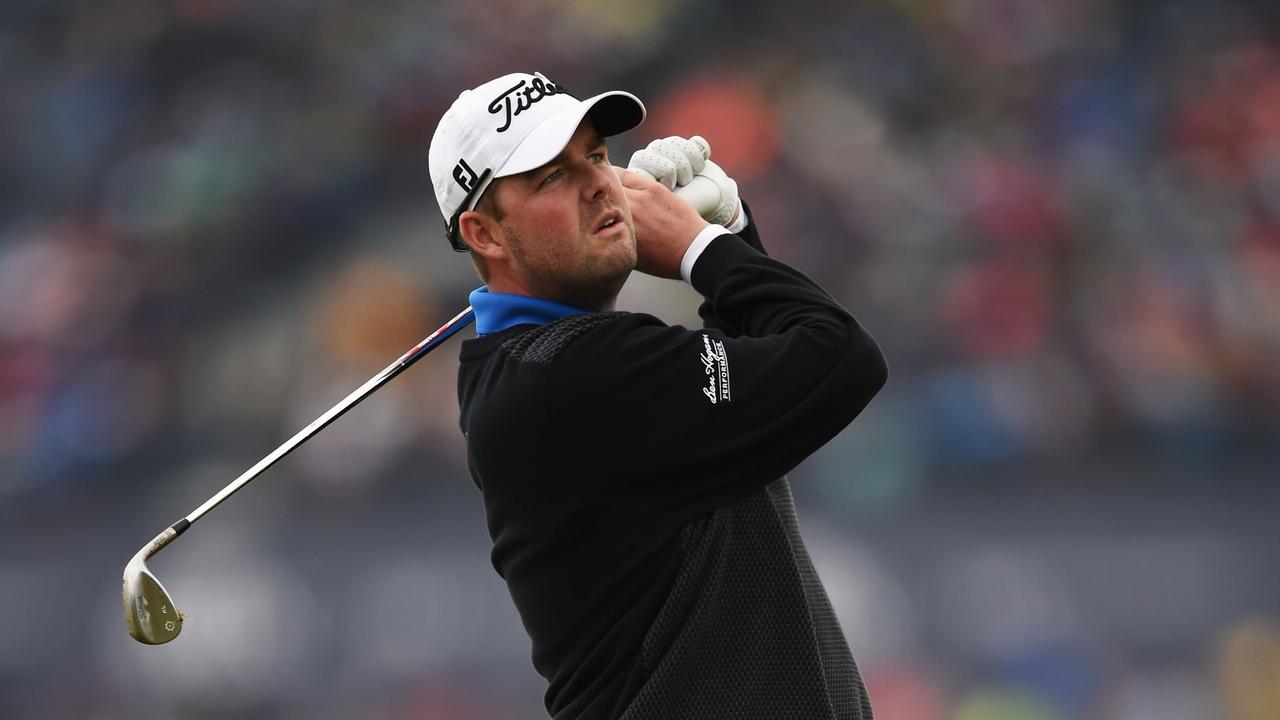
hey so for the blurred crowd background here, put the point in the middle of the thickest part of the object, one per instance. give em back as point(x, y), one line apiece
point(1060, 218)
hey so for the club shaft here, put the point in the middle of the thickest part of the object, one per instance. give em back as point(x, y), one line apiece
point(459, 321)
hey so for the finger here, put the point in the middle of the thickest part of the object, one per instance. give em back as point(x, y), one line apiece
point(635, 178)
point(704, 147)
point(641, 172)
point(682, 169)
point(661, 167)
point(692, 152)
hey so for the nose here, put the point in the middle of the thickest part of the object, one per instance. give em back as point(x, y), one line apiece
point(597, 184)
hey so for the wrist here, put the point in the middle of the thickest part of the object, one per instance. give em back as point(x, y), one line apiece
point(699, 243)
point(717, 261)
point(739, 221)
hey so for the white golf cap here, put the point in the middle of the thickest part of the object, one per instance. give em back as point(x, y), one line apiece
point(508, 126)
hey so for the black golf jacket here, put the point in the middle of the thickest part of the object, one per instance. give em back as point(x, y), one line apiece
point(633, 481)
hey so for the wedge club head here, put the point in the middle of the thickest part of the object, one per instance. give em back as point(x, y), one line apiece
point(148, 610)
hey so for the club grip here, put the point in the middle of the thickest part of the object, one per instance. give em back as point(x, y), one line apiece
point(701, 193)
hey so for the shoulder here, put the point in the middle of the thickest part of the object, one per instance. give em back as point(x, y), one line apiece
point(576, 335)
point(631, 359)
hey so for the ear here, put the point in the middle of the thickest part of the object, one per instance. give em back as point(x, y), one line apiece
point(483, 235)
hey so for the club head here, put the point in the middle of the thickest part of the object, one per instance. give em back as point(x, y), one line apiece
point(148, 610)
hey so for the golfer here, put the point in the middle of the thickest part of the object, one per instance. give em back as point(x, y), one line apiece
point(633, 473)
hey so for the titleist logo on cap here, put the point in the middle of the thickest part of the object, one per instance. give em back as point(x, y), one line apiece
point(525, 94)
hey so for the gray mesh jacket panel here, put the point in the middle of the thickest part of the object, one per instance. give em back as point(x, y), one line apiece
point(748, 631)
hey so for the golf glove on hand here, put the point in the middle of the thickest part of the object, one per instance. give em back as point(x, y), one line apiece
point(676, 162)
point(672, 161)
point(729, 210)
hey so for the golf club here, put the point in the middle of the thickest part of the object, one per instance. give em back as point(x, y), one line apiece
point(148, 610)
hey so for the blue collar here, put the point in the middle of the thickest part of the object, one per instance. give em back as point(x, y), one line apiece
point(496, 312)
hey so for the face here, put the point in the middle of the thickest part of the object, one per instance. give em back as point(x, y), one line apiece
point(567, 233)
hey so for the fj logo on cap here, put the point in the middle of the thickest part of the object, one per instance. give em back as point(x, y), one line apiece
point(525, 94)
point(465, 176)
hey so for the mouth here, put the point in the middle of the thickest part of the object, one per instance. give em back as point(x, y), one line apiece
point(610, 220)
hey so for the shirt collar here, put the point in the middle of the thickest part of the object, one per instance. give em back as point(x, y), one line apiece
point(496, 312)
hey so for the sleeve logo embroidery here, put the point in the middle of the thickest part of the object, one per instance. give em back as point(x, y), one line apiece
point(715, 365)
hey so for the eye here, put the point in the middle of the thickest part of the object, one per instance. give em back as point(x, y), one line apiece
point(597, 157)
point(554, 175)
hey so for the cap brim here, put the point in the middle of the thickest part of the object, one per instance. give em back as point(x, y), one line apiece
point(611, 113)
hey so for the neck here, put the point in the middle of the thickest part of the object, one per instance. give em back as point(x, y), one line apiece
point(601, 298)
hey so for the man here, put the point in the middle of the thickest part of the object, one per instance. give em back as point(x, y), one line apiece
point(632, 472)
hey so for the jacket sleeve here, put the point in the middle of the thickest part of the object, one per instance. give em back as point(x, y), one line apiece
point(751, 236)
point(673, 422)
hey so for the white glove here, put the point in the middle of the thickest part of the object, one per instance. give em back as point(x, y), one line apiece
point(685, 167)
point(672, 161)
point(727, 210)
